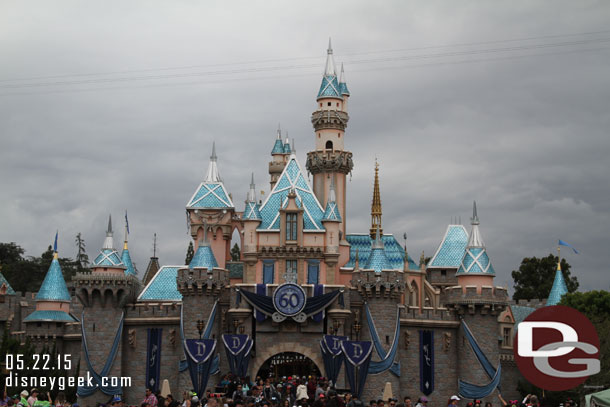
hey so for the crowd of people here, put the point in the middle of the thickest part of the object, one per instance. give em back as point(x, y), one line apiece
point(305, 391)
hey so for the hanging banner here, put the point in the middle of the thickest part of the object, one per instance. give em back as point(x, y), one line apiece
point(199, 355)
point(332, 355)
point(357, 359)
point(318, 289)
point(238, 349)
point(153, 358)
point(261, 289)
point(387, 358)
point(426, 361)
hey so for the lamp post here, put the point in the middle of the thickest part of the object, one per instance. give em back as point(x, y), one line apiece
point(235, 324)
point(357, 327)
point(200, 326)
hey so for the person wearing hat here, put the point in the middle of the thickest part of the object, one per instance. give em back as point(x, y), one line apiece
point(453, 400)
point(23, 401)
point(422, 402)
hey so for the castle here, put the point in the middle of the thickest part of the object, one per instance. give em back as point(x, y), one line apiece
point(297, 233)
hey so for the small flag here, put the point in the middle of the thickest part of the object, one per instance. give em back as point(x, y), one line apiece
point(562, 243)
point(126, 222)
point(55, 244)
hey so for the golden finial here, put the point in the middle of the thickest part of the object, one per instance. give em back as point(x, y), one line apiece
point(558, 258)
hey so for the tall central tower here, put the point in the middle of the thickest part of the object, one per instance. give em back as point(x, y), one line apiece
point(330, 163)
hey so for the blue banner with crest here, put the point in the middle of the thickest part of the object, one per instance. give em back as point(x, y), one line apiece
point(332, 355)
point(153, 358)
point(357, 359)
point(199, 355)
point(238, 349)
point(426, 361)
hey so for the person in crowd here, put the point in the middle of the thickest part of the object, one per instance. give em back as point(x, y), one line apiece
point(422, 402)
point(488, 404)
point(238, 394)
point(319, 389)
point(144, 404)
point(453, 401)
point(301, 391)
point(60, 400)
point(407, 401)
point(33, 397)
point(42, 400)
point(311, 388)
point(23, 401)
point(150, 398)
point(373, 403)
point(381, 403)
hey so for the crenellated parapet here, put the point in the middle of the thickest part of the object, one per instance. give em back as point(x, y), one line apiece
point(472, 299)
point(110, 289)
point(200, 281)
point(329, 161)
point(370, 284)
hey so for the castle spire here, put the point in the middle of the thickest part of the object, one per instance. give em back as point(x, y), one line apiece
point(330, 62)
point(342, 84)
point(125, 256)
point(475, 239)
point(559, 284)
point(109, 241)
point(278, 146)
point(376, 205)
point(54, 287)
point(213, 175)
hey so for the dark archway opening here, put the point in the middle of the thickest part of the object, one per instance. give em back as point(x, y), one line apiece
point(329, 145)
point(288, 364)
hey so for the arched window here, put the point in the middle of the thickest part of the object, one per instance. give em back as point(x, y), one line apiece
point(329, 145)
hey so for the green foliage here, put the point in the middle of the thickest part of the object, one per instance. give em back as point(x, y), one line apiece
point(27, 273)
point(82, 260)
point(235, 253)
point(190, 252)
point(535, 277)
point(596, 306)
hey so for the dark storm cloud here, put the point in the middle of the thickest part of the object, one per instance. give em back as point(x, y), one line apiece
point(527, 137)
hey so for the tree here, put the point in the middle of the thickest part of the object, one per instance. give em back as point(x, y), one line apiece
point(535, 277)
point(190, 252)
point(235, 253)
point(82, 260)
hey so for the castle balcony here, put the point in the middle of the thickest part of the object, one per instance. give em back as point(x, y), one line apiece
point(329, 161)
point(329, 119)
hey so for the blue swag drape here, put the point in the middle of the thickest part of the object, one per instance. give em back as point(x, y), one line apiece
point(313, 305)
point(387, 359)
point(207, 332)
point(84, 391)
point(332, 355)
point(473, 391)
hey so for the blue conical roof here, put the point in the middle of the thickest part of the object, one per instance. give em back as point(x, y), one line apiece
point(53, 287)
point(331, 213)
point(126, 260)
point(204, 257)
point(108, 256)
point(330, 87)
point(252, 211)
point(559, 288)
point(378, 260)
point(278, 147)
point(9, 289)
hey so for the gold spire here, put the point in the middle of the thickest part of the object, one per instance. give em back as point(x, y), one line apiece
point(558, 258)
point(376, 206)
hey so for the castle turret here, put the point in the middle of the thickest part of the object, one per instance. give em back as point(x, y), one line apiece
point(329, 160)
point(104, 293)
point(53, 299)
point(210, 210)
point(251, 220)
point(279, 158)
point(478, 303)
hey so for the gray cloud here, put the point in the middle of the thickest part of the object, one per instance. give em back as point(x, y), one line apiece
point(523, 132)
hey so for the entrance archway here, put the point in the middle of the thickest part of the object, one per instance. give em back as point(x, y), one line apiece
point(288, 364)
point(262, 355)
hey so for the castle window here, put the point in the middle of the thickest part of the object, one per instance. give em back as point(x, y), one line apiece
point(291, 226)
point(329, 145)
point(444, 273)
point(268, 271)
point(329, 104)
point(337, 104)
point(291, 267)
point(313, 271)
point(506, 337)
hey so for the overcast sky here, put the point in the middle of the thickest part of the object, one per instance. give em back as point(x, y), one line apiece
point(113, 105)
